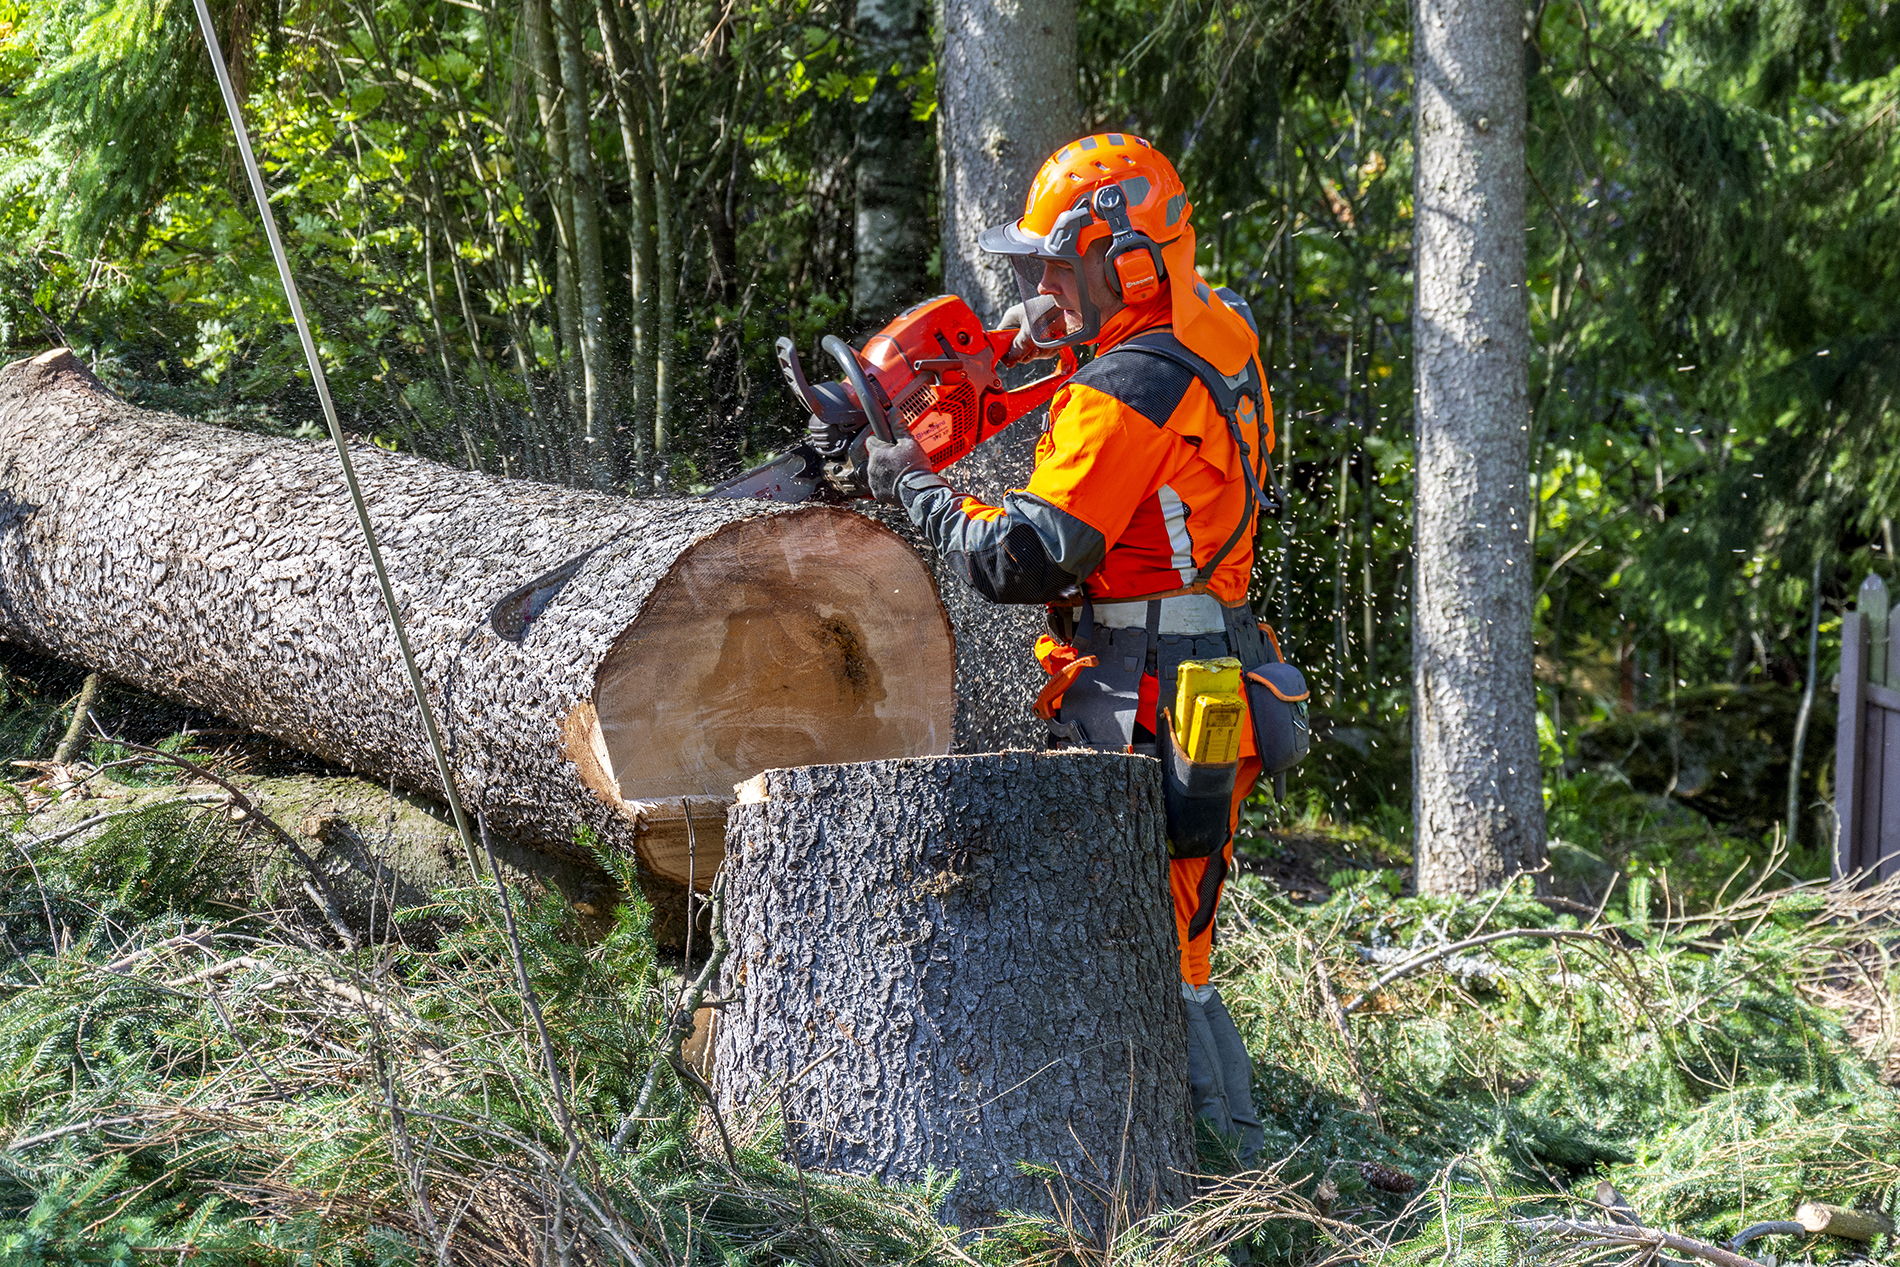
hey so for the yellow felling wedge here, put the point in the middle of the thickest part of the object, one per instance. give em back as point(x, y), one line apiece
point(1208, 711)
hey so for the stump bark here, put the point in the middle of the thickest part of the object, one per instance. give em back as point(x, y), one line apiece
point(961, 963)
point(597, 663)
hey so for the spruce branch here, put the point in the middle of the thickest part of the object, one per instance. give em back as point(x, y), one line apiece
point(1427, 958)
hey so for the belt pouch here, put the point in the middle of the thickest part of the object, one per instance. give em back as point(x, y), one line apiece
point(1199, 798)
point(1276, 697)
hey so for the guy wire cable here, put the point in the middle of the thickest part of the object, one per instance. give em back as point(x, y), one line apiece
point(322, 385)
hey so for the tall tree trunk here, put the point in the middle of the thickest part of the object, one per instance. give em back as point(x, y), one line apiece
point(1480, 807)
point(895, 167)
point(546, 70)
point(1807, 705)
point(597, 432)
point(895, 1006)
point(629, 110)
point(666, 229)
point(1006, 100)
point(594, 661)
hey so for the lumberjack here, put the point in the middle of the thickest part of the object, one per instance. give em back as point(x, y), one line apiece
point(1136, 530)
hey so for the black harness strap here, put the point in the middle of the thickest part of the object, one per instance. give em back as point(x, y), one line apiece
point(1227, 394)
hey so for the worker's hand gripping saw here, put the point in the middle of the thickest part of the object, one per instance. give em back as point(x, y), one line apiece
point(933, 370)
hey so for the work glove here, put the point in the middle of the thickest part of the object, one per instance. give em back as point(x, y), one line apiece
point(898, 466)
point(1040, 315)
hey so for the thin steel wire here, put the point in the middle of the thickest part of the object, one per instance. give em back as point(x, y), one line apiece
point(322, 385)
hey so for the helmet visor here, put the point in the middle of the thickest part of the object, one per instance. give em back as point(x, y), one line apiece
point(1027, 254)
point(1049, 325)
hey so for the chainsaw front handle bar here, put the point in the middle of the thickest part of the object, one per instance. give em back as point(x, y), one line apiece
point(847, 360)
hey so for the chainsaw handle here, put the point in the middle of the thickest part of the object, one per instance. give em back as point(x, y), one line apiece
point(847, 360)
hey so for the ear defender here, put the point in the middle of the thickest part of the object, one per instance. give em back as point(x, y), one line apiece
point(1133, 266)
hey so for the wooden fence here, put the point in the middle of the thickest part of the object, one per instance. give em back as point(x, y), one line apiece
point(1867, 752)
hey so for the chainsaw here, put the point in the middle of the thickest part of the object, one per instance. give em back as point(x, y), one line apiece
point(934, 369)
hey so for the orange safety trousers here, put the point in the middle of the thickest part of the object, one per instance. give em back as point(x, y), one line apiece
point(1185, 874)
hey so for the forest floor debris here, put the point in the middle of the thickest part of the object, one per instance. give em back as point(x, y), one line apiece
point(191, 1068)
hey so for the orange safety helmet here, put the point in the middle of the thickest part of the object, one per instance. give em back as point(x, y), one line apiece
point(1114, 185)
point(1118, 186)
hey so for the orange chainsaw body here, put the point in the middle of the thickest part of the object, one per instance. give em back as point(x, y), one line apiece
point(939, 368)
point(934, 371)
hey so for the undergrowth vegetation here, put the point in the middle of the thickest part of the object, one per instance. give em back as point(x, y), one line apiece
point(196, 1069)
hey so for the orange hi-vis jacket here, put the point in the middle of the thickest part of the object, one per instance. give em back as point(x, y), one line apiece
point(1137, 487)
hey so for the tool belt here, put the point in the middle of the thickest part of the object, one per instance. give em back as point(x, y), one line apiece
point(1198, 614)
point(1098, 699)
point(1093, 701)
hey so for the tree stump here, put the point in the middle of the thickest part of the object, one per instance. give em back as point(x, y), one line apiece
point(596, 663)
point(961, 963)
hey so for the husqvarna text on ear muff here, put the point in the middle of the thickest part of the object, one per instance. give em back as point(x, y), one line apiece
point(1132, 267)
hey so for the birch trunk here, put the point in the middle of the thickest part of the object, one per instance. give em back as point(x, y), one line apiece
point(547, 91)
point(962, 963)
point(628, 111)
point(590, 273)
point(666, 264)
point(1480, 808)
point(671, 647)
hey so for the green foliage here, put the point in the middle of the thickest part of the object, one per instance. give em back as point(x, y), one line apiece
point(179, 1073)
point(227, 1088)
point(1692, 1056)
point(1713, 293)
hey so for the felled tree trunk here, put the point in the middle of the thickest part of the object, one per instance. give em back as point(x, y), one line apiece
point(594, 661)
point(961, 963)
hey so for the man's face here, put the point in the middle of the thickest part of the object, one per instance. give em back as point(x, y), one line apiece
point(1059, 281)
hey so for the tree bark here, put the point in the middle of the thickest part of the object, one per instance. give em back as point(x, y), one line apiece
point(597, 439)
point(625, 76)
point(894, 168)
point(1006, 100)
point(962, 963)
point(1479, 805)
point(675, 648)
point(567, 305)
point(664, 209)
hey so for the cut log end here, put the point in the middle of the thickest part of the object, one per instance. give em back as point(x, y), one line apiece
point(785, 640)
point(677, 645)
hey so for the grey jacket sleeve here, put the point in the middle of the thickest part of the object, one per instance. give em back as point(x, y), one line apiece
point(1031, 553)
